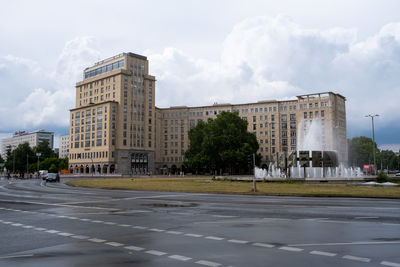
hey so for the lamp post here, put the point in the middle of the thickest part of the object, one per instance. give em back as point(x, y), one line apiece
point(373, 136)
point(38, 155)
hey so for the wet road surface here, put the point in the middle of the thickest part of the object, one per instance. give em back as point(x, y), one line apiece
point(56, 225)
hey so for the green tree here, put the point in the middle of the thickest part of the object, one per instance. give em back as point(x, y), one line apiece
point(1, 160)
point(360, 151)
point(45, 150)
point(20, 158)
point(221, 144)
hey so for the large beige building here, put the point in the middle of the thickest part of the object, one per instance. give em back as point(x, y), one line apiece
point(116, 127)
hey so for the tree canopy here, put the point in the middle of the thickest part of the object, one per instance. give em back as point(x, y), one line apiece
point(221, 144)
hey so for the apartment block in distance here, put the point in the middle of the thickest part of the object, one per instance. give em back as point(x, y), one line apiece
point(276, 124)
point(112, 126)
point(116, 127)
point(33, 139)
point(63, 143)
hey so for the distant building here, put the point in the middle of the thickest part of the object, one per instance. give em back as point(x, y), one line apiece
point(63, 146)
point(33, 139)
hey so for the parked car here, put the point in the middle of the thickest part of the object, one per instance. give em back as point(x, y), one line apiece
point(398, 174)
point(53, 177)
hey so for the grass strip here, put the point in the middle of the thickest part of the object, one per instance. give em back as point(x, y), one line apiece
point(207, 185)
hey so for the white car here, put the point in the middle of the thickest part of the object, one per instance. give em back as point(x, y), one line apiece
point(398, 174)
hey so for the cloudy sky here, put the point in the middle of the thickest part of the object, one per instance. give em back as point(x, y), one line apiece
point(203, 52)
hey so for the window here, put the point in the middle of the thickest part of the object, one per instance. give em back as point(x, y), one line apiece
point(305, 115)
point(284, 117)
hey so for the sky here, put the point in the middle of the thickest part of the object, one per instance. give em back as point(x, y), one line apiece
point(203, 52)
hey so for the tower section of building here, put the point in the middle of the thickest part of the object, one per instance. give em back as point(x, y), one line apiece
point(112, 127)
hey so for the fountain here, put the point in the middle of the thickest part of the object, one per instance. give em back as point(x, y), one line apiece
point(323, 163)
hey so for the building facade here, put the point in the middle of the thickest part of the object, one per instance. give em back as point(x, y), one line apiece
point(116, 127)
point(112, 126)
point(278, 126)
point(33, 139)
point(63, 143)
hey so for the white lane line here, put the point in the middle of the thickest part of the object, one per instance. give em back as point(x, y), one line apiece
point(174, 232)
point(110, 223)
point(97, 240)
point(322, 253)
point(291, 249)
point(5, 222)
point(134, 248)
point(238, 241)
point(16, 256)
point(208, 263)
point(140, 227)
point(84, 220)
point(224, 216)
point(16, 224)
point(156, 252)
point(182, 213)
point(179, 257)
point(97, 221)
point(80, 237)
point(214, 238)
point(114, 244)
point(52, 231)
point(193, 235)
point(27, 226)
point(367, 217)
point(65, 234)
point(331, 221)
point(124, 225)
point(263, 245)
point(391, 224)
point(40, 228)
point(156, 230)
point(347, 243)
point(313, 219)
point(354, 258)
point(389, 263)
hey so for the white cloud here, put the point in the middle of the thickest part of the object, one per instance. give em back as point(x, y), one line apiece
point(42, 97)
point(275, 58)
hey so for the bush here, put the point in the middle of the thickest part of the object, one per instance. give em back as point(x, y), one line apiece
point(382, 177)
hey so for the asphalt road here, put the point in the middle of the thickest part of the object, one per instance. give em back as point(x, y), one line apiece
point(56, 225)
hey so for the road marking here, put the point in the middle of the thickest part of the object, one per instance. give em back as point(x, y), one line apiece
point(347, 243)
point(179, 257)
point(156, 252)
point(156, 230)
point(110, 223)
point(224, 216)
point(52, 231)
point(214, 237)
point(238, 241)
point(27, 226)
point(263, 245)
point(354, 258)
point(174, 232)
point(313, 219)
point(97, 240)
point(16, 224)
point(370, 217)
point(322, 253)
point(40, 228)
point(125, 225)
point(114, 244)
point(331, 221)
point(291, 249)
point(194, 235)
point(134, 248)
point(65, 234)
point(97, 221)
point(80, 236)
point(208, 263)
point(140, 227)
point(389, 263)
point(84, 220)
point(16, 256)
point(5, 222)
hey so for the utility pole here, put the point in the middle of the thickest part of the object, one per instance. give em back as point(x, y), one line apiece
point(373, 137)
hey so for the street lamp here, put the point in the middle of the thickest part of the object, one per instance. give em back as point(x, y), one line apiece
point(373, 135)
point(38, 155)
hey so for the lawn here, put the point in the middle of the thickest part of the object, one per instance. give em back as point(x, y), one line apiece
point(208, 185)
